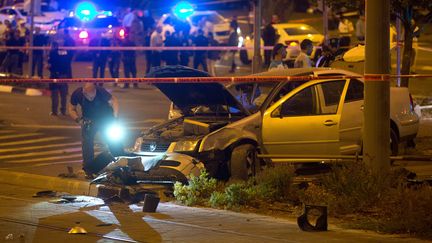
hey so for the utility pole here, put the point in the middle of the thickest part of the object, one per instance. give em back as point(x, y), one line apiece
point(398, 49)
point(256, 60)
point(325, 22)
point(376, 136)
point(32, 12)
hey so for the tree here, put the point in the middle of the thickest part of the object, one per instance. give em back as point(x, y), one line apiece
point(414, 14)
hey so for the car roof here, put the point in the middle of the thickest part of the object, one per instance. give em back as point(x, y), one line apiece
point(281, 72)
point(293, 25)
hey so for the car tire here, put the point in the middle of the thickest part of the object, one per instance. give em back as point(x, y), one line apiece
point(244, 57)
point(244, 162)
point(394, 143)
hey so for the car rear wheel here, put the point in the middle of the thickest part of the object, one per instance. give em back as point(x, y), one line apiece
point(244, 162)
point(394, 142)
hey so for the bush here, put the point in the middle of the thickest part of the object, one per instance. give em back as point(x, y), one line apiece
point(386, 203)
point(275, 184)
point(197, 191)
point(217, 200)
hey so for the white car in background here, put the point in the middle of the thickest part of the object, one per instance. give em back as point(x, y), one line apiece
point(291, 35)
point(45, 22)
point(219, 25)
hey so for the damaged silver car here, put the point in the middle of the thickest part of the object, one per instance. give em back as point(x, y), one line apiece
point(225, 126)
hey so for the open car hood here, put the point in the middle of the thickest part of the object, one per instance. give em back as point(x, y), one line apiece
point(187, 96)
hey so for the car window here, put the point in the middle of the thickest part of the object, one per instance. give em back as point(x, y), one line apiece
point(288, 87)
point(332, 93)
point(302, 30)
point(3, 11)
point(305, 102)
point(355, 91)
point(214, 18)
point(301, 104)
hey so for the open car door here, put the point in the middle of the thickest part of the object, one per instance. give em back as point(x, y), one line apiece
point(305, 121)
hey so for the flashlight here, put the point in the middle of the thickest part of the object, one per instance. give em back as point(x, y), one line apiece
point(115, 132)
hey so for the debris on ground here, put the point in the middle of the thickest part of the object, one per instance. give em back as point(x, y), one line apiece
point(46, 193)
point(70, 173)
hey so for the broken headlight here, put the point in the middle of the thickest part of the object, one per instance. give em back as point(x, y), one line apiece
point(186, 145)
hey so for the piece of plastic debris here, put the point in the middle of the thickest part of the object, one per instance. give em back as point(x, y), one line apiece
point(103, 225)
point(319, 212)
point(69, 198)
point(77, 229)
point(47, 193)
point(9, 237)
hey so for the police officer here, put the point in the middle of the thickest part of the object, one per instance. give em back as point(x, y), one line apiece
point(58, 62)
point(98, 110)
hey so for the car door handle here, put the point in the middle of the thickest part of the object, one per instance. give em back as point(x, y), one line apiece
point(330, 123)
point(362, 107)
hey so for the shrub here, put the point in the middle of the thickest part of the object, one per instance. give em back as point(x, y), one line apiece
point(197, 191)
point(275, 184)
point(217, 200)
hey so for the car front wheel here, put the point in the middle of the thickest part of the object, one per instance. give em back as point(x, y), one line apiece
point(244, 162)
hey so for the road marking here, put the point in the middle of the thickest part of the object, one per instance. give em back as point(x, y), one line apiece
point(426, 68)
point(46, 126)
point(20, 135)
point(38, 147)
point(45, 159)
point(6, 131)
point(31, 141)
point(43, 164)
point(31, 154)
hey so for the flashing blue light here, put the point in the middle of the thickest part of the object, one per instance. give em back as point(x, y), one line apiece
point(85, 11)
point(183, 10)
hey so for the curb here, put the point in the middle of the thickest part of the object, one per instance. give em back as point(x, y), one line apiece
point(48, 183)
point(25, 91)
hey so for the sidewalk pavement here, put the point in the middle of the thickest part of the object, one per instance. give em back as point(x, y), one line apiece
point(171, 222)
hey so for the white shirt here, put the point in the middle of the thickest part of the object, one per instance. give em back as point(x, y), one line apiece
point(345, 27)
point(302, 61)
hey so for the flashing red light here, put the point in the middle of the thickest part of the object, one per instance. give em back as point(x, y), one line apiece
point(122, 33)
point(83, 34)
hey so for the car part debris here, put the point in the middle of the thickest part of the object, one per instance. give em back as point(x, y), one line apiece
point(151, 201)
point(315, 213)
point(47, 193)
point(77, 229)
point(70, 173)
point(69, 198)
point(104, 225)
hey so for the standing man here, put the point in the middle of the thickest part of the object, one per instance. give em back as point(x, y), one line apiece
point(279, 54)
point(200, 56)
point(129, 61)
point(233, 41)
point(360, 28)
point(114, 60)
point(270, 38)
point(303, 60)
point(12, 60)
point(184, 55)
point(69, 41)
point(156, 40)
point(100, 57)
point(214, 55)
point(58, 63)
point(39, 40)
point(98, 109)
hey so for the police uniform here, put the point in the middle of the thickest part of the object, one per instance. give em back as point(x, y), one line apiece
point(59, 62)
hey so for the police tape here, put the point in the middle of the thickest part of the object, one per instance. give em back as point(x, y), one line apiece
point(243, 79)
point(140, 48)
